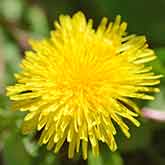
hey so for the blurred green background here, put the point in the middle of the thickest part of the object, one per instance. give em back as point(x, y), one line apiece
point(23, 19)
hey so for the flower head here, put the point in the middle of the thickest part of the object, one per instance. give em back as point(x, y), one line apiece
point(80, 81)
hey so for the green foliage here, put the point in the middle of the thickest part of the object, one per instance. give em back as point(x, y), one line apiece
point(37, 21)
point(14, 151)
point(11, 10)
point(105, 158)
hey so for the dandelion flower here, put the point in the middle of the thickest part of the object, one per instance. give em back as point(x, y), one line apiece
point(77, 83)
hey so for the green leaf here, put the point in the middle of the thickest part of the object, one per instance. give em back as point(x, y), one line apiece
point(38, 21)
point(105, 158)
point(11, 51)
point(44, 157)
point(30, 146)
point(4, 101)
point(11, 56)
point(11, 9)
point(140, 137)
point(158, 103)
point(94, 161)
point(14, 152)
point(161, 54)
point(50, 159)
point(159, 63)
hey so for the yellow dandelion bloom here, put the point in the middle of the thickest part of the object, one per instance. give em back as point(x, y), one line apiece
point(80, 81)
